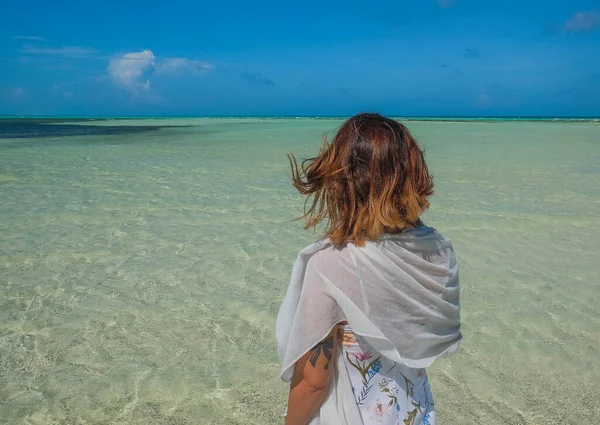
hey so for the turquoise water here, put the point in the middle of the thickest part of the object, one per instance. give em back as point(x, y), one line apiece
point(141, 270)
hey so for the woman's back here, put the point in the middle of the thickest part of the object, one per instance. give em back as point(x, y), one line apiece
point(400, 292)
point(399, 296)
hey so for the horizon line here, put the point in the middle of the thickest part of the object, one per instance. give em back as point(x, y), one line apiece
point(25, 116)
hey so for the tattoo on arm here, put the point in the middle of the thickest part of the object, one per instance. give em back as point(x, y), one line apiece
point(324, 347)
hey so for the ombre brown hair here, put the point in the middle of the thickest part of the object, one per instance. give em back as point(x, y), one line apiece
point(371, 179)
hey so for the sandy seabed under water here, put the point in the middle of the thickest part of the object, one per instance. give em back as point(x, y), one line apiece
point(141, 271)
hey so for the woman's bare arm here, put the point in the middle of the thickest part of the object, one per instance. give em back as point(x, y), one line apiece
point(311, 379)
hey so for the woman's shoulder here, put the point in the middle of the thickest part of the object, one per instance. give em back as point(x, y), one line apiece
point(322, 254)
point(422, 233)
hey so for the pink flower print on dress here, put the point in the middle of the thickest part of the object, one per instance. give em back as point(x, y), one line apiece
point(378, 410)
point(362, 356)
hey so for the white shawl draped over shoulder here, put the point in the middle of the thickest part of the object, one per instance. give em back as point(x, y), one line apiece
point(400, 293)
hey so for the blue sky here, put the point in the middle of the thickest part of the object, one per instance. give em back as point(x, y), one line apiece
point(420, 57)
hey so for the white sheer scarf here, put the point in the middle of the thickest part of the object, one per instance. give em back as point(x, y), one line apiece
point(400, 293)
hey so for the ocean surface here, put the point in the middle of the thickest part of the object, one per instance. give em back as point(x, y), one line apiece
point(142, 264)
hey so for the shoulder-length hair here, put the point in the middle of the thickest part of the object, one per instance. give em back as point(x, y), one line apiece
point(370, 180)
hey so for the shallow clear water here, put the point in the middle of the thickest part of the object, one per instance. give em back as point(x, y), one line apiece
point(141, 271)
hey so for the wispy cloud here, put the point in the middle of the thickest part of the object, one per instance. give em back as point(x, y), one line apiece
point(472, 53)
point(29, 38)
point(14, 92)
point(583, 21)
point(550, 29)
point(257, 78)
point(170, 65)
point(445, 3)
point(483, 101)
point(58, 67)
point(59, 90)
point(455, 69)
point(130, 71)
point(65, 51)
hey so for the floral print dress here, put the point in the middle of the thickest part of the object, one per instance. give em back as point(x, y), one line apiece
point(386, 392)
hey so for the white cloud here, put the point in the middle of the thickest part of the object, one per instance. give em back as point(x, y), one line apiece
point(29, 38)
point(583, 21)
point(182, 65)
point(67, 51)
point(131, 70)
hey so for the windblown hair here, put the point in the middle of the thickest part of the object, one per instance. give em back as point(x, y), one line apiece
point(370, 180)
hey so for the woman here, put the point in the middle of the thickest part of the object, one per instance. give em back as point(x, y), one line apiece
point(376, 301)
